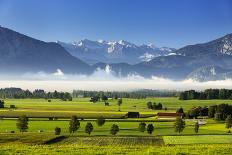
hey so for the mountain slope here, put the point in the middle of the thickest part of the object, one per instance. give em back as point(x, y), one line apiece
point(20, 53)
point(222, 45)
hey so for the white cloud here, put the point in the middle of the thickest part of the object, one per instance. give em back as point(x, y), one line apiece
point(105, 79)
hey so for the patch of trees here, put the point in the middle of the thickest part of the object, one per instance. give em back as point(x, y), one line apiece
point(118, 94)
point(220, 112)
point(208, 94)
point(18, 93)
point(154, 106)
point(195, 112)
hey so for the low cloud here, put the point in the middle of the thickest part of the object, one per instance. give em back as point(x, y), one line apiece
point(105, 79)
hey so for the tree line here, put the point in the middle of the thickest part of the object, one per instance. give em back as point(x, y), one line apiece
point(139, 94)
point(74, 125)
point(219, 112)
point(208, 94)
point(18, 93)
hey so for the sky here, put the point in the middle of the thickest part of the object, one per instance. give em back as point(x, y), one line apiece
point(172, 23)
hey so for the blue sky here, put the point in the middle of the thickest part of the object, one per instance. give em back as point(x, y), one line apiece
point(172, 23)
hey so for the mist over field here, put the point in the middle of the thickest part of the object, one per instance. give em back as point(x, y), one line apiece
point(105, 79)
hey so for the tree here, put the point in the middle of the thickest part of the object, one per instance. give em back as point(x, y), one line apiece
point(150, 128)
point(101, 121)
point(74, 124)
point(196, 128)
point(149, 105)
point(57, 131)
point(114, 129)
point(119, 103)
point(88, 128)
point(2, 103)
point(229, 122)
point(180, 110)
point(142, 127)
point(211, 111)
point(179, 125)
point(22, 123)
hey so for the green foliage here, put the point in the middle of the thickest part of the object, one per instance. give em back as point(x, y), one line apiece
point(57, 131)
point(101, 121)
point(22, 123)
point(154, 106)
point(196, 127)
point(142, 126)
point(12, 106)
point(114, 129)
point(119, 102)
point(88, 128)
point(212, 111)
point(207, 94)
point(2, 103)
point(74, 124)
point(228, 122)
point(179, 125)
point(150, 128)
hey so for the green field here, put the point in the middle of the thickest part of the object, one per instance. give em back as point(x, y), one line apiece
point(211, 139)
point(199, 139)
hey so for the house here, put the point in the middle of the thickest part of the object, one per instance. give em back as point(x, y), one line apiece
point(133, 115)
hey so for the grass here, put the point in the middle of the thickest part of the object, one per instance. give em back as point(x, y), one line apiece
point(209, 149)
point(127, 128)
point(128, 140)
point(198, 139)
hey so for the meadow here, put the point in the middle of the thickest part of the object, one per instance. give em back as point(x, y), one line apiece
point(212, 137)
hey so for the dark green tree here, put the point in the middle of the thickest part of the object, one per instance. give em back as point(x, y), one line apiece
point(74, 124)
point(88, 128)
point(119, 102)
point(114, 129)
point(142, 127)
point(179, 125)
point(196, 127)
point(2, 103)
point(150, 128)
point(22, 123)
point(101, 121)
point(229, 122)
point(57, 131)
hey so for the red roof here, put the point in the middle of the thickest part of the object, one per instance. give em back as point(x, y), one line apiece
point(169, 114)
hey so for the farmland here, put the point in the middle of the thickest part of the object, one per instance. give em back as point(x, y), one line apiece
point(212, 137)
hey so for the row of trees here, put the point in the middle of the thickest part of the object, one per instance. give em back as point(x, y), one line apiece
point(18, 93)
point(74, 125)
point(121, 94)
point(208, 94)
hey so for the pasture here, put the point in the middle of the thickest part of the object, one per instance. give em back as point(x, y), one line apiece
point(40, 138)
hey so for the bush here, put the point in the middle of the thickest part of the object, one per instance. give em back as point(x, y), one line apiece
point(114, 129)
point(57, 131)
point(12, 106)
point(150, 128)
point(101, 121)
point(88, 128)
point(2, 104)
point(142, 127)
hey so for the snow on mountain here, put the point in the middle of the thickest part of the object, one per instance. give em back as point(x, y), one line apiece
point(114, 51)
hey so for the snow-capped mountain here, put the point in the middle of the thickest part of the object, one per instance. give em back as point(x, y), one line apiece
point(114, 51)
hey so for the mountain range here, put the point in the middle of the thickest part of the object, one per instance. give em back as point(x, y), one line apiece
point(21, 54)
point(121, 51)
